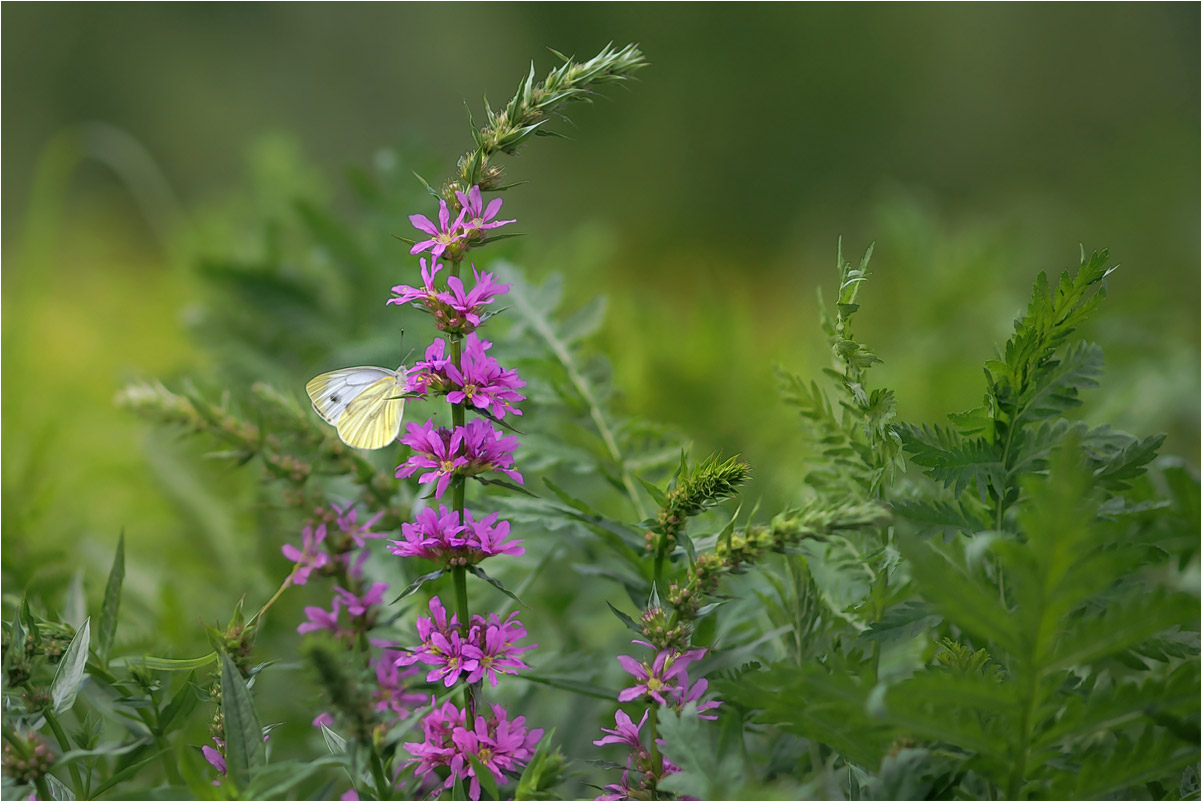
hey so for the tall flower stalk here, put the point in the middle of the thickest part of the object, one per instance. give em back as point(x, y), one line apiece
point(457, 646)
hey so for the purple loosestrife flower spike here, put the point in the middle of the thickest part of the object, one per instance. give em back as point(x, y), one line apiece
point(442, 236)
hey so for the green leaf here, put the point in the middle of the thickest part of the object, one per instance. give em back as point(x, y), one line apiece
point(334, 742)
point(572, 685)
point(933, 516)
point(630, 623)
point(488, 785)
point(278, 779)
point(704, 773)
point(166, 663)
point(243, 734)
point(182, 703)
point(543, 771)
point(112, 603)
point(510, 486)
point(417, 583)
point(70, 671)
point(964, 599)
point(476, 570)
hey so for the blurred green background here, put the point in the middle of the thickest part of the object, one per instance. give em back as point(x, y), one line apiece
point(975, 144)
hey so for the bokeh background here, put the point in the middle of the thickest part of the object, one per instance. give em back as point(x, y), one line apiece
point(974, 144)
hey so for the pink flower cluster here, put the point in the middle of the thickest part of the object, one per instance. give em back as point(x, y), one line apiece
point(315, 551)
point(479, 381)
point(495, 742)
point(473, 220)
point(439, 536)
point(627, 733)
point(460, 452)
point(666, 679)
point(488, 647)
point(456, 310)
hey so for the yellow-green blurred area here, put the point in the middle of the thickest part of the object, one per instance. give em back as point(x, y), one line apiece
point(974, 144)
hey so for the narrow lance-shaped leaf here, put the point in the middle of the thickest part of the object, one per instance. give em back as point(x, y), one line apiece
point(70, 672)
point(112, 603)
point(243, 733)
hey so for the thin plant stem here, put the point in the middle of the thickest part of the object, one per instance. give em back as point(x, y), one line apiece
point(64, 744)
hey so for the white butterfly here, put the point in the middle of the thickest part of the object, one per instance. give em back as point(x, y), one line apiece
point(364, 404)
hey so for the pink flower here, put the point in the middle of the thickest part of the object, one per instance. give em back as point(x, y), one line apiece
point(310, 557)
point(359, 605)
point(436, 450)
point(476, 217)
point(500, 745)
point(482, 382)
point(358, 533)
point(320, 618)
point(427, 292)
point(661, 680)
point(487, 649)
point(470, 304)
point(490, 648)
point(442, 236)
point(464, 451)
point(625, 731)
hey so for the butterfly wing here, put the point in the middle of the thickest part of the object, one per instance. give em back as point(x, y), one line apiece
point(331, 393)
point(373, 417)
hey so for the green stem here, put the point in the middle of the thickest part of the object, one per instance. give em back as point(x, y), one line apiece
point(657, 760)
point(65, 745)
point(43, 788)
point(383, 789)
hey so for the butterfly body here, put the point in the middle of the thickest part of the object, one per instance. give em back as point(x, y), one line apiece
point(364, 404)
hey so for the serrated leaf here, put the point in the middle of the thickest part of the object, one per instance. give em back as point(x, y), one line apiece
point(112, 603)
point(704, 773)
point(70, 671)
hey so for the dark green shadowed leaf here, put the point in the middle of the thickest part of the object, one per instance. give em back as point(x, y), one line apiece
point(182, 703)
point(112, 603)
point(70, 671)
point(243, 733)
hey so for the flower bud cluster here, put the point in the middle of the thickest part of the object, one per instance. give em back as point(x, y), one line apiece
point(27, 759)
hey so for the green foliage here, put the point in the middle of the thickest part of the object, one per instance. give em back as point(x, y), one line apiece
point(859, 447)
point(1041, 575)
